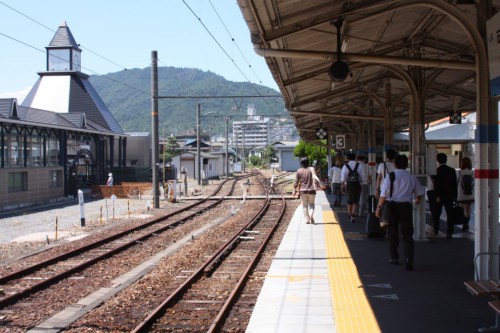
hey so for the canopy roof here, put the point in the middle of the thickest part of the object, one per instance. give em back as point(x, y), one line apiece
point(391, 48)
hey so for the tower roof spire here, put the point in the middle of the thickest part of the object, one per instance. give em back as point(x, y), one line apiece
point(64, 38)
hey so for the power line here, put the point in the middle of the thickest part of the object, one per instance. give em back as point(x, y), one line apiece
point(223, 50)
point(55, 31)
point(44, 51)
point(234, 41)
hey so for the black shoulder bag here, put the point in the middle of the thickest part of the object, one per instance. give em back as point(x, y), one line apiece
point(385, 217)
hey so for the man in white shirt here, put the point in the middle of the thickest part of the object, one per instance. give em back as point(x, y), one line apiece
point(406, 189)
point(334, 176)
point(352, 184)
point(384, 169)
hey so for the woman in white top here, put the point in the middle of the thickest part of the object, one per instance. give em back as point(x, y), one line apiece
point(466, 189)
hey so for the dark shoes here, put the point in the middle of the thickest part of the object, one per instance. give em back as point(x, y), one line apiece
point(394, 262)
point(409, 266)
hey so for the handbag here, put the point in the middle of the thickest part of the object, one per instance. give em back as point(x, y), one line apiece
point(385, 216)
point(458, 213)
point(318, 184)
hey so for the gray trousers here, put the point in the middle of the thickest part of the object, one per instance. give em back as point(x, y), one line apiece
point(363, 199)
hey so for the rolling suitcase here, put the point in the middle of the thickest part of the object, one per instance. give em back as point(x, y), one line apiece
point(373, 229)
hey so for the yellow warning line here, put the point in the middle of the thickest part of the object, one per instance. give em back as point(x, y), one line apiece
point(351, 309)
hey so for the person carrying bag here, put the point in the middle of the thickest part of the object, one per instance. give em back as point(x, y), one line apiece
point(406, 190)
point(385, 217)
point(305, 188)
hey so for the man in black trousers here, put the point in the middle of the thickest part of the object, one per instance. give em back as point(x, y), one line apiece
point(406, 190)
point(445, 189)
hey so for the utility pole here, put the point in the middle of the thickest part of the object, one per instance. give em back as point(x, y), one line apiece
point(227, 146)
point(154, 120)
point(198, 151)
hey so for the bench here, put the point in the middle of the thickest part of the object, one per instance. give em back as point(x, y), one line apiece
point(483, 288)
point(487, 288)
point(495, 305)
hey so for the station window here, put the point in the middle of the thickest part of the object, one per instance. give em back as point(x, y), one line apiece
point(52, 152)
point(34, 151)
point(55, 178)
point(14, 152)
point(17, 182)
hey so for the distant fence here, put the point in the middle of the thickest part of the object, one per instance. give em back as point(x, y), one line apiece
point(125, 190)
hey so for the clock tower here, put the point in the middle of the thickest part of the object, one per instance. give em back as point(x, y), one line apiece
point(63, 53)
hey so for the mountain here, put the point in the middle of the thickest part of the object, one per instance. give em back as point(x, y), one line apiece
point(128, 96)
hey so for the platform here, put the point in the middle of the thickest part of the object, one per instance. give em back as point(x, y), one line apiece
point(329, 277)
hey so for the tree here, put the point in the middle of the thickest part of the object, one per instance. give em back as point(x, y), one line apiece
point(255, 160)
point(268, 155)
point(314, 152)
point(171, 148)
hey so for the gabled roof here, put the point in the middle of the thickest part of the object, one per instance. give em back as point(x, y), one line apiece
point(192, 143)
point(8, 108)
point(64, 38)
point(44, 118)
point(284, 143)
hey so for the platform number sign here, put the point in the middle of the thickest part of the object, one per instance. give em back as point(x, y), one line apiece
point(340, 141)
point(321, 133)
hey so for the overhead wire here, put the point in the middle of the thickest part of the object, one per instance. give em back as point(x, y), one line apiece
point(223, 49)
point(55, 31)
point(234, 41)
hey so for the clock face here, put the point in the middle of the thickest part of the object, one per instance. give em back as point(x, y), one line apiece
point(76, 62)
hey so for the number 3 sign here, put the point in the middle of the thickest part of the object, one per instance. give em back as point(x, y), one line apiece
point(340, 141)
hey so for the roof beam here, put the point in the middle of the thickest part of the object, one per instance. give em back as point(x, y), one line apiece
point(367, 58)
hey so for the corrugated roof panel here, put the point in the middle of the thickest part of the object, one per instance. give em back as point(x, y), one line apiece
point(105, 118)
point(42, 117)
point(6, 107)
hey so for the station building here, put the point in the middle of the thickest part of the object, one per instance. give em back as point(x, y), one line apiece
point(61, 138)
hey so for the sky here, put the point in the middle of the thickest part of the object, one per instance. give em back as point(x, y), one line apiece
point(210, 35)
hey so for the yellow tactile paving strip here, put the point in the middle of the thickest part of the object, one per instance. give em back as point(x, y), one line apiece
point(351, 309)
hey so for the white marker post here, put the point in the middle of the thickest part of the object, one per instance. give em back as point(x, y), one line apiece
point(82, 210)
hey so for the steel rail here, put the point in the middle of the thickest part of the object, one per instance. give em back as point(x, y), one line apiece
point(216, 324)
point(156, 313)
point(56, 278)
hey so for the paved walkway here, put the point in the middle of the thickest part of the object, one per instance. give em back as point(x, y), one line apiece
point(329, 277)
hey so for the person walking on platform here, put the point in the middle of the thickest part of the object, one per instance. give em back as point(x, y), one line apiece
point(303, 186)
point(384, 169)
point(399, 192)
point(334, 175)
point(445, 189)
point(365, 186)
point(466, 189)
point(351, 177)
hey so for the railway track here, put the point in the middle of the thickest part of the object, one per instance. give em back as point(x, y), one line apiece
point(212, 289)
point(22, 286)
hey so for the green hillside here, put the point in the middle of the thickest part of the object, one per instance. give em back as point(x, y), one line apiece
point(128, 96)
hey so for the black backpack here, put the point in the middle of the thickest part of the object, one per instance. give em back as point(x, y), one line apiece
point(467, 184)
point(353, 175)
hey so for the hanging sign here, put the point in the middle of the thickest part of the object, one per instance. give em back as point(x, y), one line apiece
point(340, 141)
point(321, 133)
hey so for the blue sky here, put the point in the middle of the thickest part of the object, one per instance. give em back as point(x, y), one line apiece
point(121, 34)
